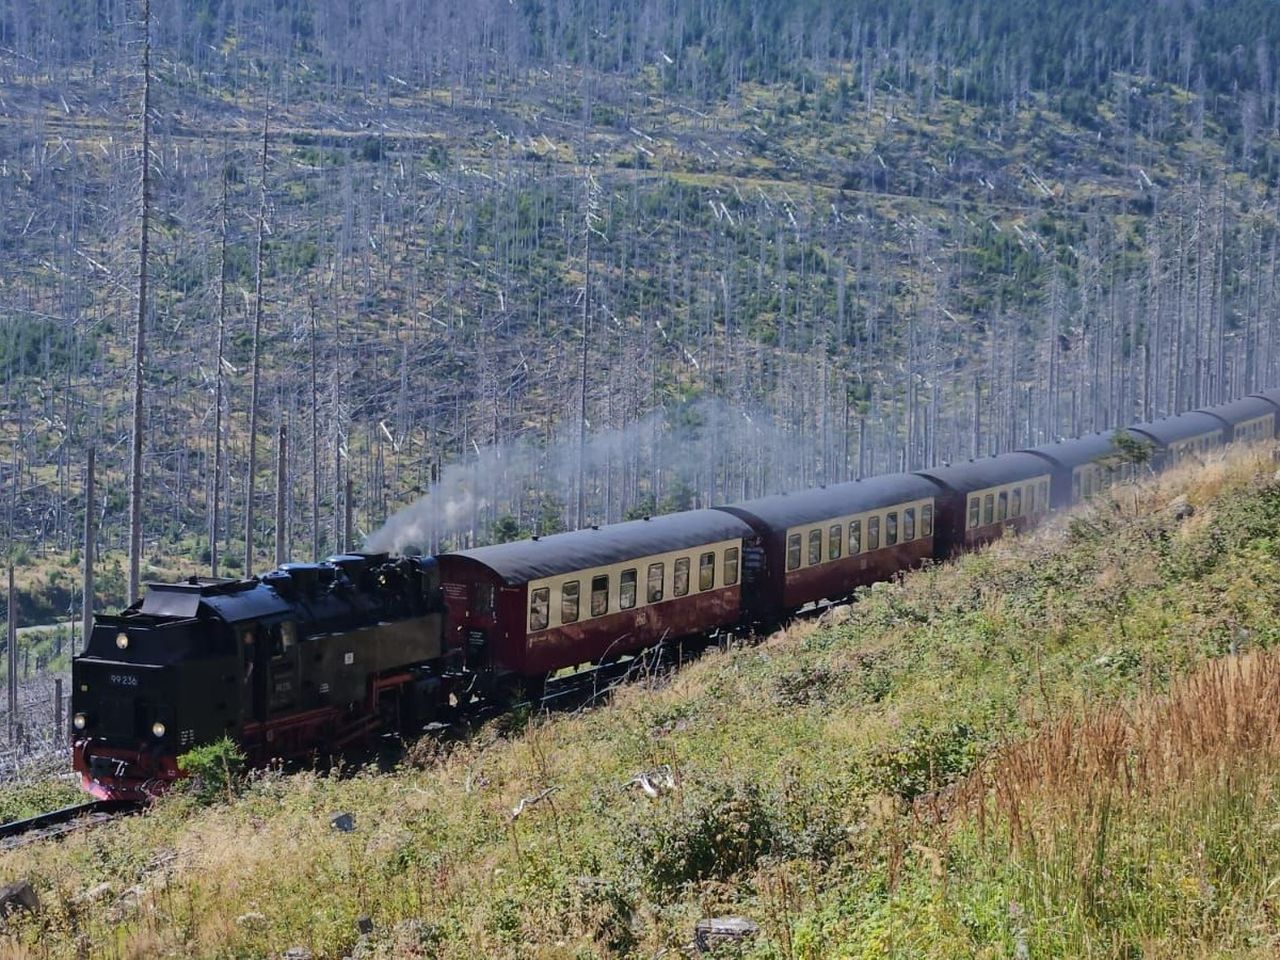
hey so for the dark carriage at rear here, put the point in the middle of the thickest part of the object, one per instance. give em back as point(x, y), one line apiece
point(983, 497)
point(534, 607)
point(1175, 439)
point(1088, 465)
point(1248, 420)
point(821, 544)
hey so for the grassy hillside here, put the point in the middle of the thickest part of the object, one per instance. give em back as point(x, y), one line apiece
point(1063, 746)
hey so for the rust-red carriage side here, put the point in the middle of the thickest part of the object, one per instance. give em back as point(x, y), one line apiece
point(821, 544)
point(533, 607)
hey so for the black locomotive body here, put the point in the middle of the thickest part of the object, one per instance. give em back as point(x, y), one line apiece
point(313, 657)
point(310, 657)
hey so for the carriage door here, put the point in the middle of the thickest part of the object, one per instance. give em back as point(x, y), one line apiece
point(482, 604)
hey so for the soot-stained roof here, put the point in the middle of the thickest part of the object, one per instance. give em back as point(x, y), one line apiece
point(523, 560)
point(784, 510)
point(1238, 411)
point(1171, 429)
point(989, 471)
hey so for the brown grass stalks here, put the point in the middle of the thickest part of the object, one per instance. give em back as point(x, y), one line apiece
point(1220, 720)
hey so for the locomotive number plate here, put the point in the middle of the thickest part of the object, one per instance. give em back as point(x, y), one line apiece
point(123, 679)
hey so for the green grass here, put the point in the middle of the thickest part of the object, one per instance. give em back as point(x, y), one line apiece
point(915, 777)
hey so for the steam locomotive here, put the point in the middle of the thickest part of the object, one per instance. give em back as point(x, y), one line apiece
point(312, 658)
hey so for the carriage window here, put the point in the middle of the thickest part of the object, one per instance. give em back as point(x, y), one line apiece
point(569, 602)
point(627, 589)
point(706, 571)
point(988, 508)
point(926, 520)
point(815, 547)
point(855, 537)
point(483, 593)
point(539, 606)
point(1015, 502)
point(657, 574)
point(908, 524)
point(731, 566)
point(1075, 492)
point(835, 542)
point(681, 586)
point(973, 512)
point(873, 533)
point(1044, 494)
point(1031, 494)
point(891, 529)
point(1002, 505)
point(599, 596)
point(793, 551)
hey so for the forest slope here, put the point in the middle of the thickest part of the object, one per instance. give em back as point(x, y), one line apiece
point(878, 235)
point(1065, 744)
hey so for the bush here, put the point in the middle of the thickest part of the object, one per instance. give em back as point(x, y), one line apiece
point(214, 772)
point(925, 760)
point(708, 837)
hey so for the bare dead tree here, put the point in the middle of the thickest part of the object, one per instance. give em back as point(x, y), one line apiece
point(214, 517)
point(140, 328)
point(256, 375)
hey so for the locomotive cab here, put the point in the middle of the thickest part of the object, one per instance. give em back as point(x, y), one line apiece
point(151, 683)
point(293, 663)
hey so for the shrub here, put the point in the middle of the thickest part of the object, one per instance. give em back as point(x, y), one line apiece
point(214, 772)
point(708, 837)
point(925, 759)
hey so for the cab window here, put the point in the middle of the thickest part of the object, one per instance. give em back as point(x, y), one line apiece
point(793, 551)
point(815, 547)
point(730, 566)
point(873, 533)
point(706, 571)
point(835, 542)
point(891, 529)
point(926, 520)
point(657, 572)
point(908, 524)
point(539, 607)
point(681, 587)
point(855, 537)
point(569, 602)
point(627, 589)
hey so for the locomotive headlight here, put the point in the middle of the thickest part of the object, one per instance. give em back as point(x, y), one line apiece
point(79, 721)
point(157, 728)
point(122, 641)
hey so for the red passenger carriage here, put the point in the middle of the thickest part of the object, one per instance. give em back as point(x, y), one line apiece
point(533, 607)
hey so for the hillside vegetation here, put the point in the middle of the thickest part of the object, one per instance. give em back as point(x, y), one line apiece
point(870, 235)
point(1062, 746)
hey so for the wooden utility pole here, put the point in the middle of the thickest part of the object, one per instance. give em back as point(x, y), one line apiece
point(349, 514)
point(315, 445)
point(581, 517)
point(214, 513)
point(282, 458)
point(257, 358)
point(90, 538)
point(13, 660)
point(140, 329)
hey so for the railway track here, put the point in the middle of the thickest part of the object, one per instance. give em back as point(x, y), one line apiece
point(57, 823)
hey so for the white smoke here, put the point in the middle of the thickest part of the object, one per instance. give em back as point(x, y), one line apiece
point(697, 455)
